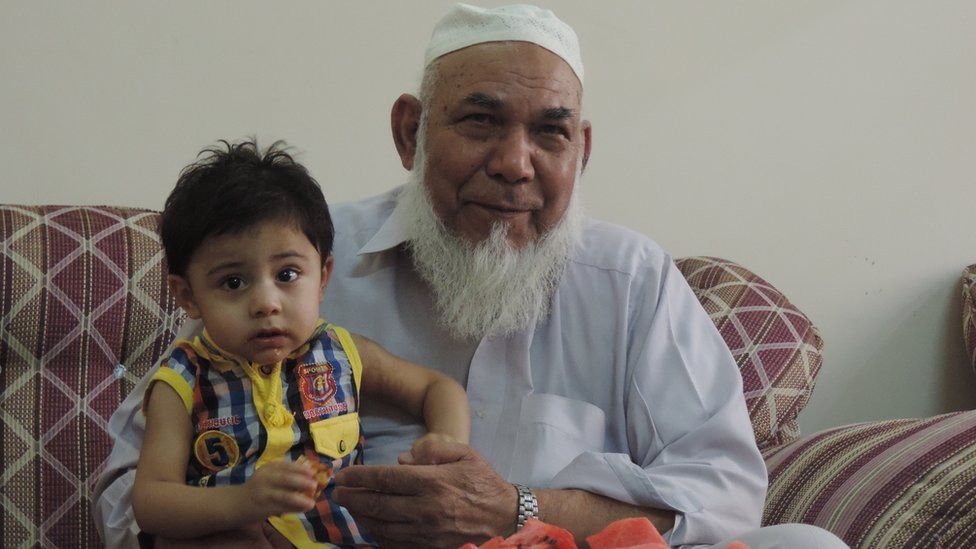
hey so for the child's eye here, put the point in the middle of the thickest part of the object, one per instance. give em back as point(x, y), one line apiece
point(233, 283)
point(287, 275)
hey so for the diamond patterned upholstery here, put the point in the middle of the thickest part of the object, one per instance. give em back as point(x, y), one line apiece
point(85, 312)
point(775, 345)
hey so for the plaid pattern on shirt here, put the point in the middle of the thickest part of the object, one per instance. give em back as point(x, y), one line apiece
point(231, 437)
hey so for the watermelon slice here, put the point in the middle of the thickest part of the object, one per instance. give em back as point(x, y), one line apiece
point(534, 535)
point(629, 533)
point(538, 533)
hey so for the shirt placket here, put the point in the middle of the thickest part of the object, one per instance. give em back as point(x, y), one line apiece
point(500, 376)
point(269, 405)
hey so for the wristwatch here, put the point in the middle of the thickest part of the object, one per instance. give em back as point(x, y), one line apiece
point(528, 506)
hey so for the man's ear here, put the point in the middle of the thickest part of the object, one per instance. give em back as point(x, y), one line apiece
point(587, 143)
point(405, 120)
point(326, 275)
point(181, 290)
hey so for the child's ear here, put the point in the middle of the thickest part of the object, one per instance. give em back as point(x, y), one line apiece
point(181, 290)
point(326, 275)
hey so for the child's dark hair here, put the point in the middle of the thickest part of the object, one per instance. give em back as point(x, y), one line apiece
point(235, 187)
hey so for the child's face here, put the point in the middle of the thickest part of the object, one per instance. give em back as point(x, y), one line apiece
point(258, 292)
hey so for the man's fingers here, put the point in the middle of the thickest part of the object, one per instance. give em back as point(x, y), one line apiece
point(374, 505)
point(391, 479)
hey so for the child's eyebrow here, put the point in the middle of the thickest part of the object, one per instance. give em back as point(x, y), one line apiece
point(225, 266)
point(289, 254)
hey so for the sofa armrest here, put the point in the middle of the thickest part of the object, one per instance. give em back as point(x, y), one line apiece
point(885, 484)
point(84, 312)
point(775, 345)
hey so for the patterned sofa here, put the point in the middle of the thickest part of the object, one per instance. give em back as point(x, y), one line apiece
point(85, 312)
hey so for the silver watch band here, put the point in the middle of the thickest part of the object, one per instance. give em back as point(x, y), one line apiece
point(528, 506)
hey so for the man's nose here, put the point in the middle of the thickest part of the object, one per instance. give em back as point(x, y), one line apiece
point(265, 300)
point(511, 158)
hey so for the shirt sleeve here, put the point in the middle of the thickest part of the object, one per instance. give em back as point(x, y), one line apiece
point(691, 447)
point(179, 372)
point(112, 493)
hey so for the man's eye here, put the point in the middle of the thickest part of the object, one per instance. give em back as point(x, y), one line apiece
point(553, 129)
point(233, 283)
point(287, 275)
point(480, 118)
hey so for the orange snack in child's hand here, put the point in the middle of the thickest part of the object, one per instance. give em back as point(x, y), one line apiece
point(322, 475)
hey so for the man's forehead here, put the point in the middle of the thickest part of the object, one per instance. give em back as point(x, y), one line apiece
point(490, 74)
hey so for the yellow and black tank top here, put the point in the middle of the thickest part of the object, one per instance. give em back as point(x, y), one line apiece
point(245, 415)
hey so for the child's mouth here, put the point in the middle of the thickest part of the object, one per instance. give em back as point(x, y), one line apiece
point(270, 338)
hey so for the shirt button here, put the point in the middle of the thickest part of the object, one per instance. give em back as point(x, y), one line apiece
point(480, 414)
point(342, 446)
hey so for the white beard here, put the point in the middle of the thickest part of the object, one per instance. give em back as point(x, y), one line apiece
point(488, 288)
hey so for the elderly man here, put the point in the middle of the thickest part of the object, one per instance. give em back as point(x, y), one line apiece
point(599, 388)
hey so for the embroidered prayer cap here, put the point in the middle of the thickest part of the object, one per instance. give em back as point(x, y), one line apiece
point(466, 25)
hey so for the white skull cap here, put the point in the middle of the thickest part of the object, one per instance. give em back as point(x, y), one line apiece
point(467, 25)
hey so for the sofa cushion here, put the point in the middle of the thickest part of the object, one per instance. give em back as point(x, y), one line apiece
point(85, 312)
point(969, 311)
point(777, 348)
point(887, 484)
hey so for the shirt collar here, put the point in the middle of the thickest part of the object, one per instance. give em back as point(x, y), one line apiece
point(392, 233)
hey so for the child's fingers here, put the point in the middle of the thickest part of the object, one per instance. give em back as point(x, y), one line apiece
point(298, 483)
point(296, 501)
point(292, 467)
point(299, 478)
point(283, 502)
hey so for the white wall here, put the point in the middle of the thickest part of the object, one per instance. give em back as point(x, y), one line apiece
point(829, 145)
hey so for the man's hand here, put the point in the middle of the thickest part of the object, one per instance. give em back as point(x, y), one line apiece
point(450, 495)
point(280, 487)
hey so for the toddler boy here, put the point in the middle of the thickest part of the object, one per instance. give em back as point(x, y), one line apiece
point(241, 421)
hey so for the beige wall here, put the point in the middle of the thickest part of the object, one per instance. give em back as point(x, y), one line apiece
point(829, 145)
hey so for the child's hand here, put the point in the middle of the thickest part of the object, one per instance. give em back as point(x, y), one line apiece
point(281, 487)
point(413, 457)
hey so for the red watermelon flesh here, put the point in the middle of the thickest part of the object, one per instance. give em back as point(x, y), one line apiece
point(636, 533)
point(536, 533)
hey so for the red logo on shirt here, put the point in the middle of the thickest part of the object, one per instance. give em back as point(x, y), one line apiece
point(316, 384)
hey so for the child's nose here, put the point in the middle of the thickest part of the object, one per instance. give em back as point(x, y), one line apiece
point(265, 302)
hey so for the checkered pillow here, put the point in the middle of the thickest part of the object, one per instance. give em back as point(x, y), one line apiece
point(885, 484)
point(85, 312)
point(969, 311)
point(775, 345)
